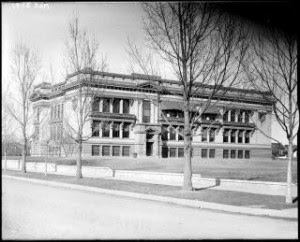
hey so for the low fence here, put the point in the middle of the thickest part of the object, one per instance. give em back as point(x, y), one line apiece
point(173, 179)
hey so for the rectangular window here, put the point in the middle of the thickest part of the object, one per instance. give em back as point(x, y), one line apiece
point(232, 116)
point(105, 129)
point(225, 135)
point(172, 152)
point(106, 102)
point(95, 150)
point(240, 116)
point(116, 150)
point(106, 150)
point(212, 135)
point(225, 116)
point(146, 111)
point(204, 134)
point(116, 105)
point(116, 130)
point(126, 127)
point(181, 131)
point(247, 116)
point(225, 154)
point(204, 153)
point(126, 150)
point(164, 133)
point(240, 136)
point(126, 106)
point(96, 105)
point(95, 129)
point(233, 136)
point(58, 111)
point(247, 154)
point(172, 133)
point(247, 137)
point(232, 154)
point(212, 153)
point(240, 154)
point(54, 112)
point(180, 152)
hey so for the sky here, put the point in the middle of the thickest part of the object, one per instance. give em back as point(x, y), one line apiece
point(44, 27)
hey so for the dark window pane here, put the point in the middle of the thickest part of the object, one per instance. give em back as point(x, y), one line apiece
point(204, 153)
point(225, 154)
point(95, 106)
point(247, 154)
point(116, 130)
point(247, 136)
point(232, 118)
point(106, 102)
point(116, 105)
point(126, 106)
point(247, 117)
point(146, 111)
point(212, 135)
point(232, 154)
point(126, 128)
point(240, 154)
point(233, 136)
point(225, 116)
point(105, 129)
point(204, 134)
point(172, 152)
point(116, 150)
point(95, 129)
point(164, 133)
point(126, 150)
point(225, 135)
point(212, 153)
point(95, 150)
point(240, 116)
point(106, 150)
point(172, 133)
point(181, 131)
point(180, 152)
point(240, 136)
point(164, 152)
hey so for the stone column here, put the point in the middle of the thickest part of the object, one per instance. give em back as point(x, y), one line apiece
point(111, 130)
point(236, 136)
point(111, 100)
point(168, 132)
point(101, 105)
point(121, 130)
point(229, 116)
point(121, 106)
point(177, 135)
point(100, 129)
point(140, 107)
point(243, 117)
point(229, 136)
point(243, 135)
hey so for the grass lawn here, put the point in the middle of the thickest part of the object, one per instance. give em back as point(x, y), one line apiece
point(274, 170)
point(207, 195)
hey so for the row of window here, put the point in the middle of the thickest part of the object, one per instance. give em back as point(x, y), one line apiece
point(57, 111)
point(116, 105)
point(240, 135)
point(170, 133)
point(112, 130)
point(240, 154)
point(110, 150)
point(236, 116)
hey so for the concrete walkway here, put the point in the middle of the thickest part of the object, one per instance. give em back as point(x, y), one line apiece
point(286, 213)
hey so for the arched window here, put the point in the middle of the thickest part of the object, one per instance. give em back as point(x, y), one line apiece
point(116, 106)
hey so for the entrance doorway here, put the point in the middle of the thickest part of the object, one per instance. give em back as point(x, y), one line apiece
point(149, 148)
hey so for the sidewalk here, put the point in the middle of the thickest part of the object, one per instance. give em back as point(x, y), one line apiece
point(226, 201)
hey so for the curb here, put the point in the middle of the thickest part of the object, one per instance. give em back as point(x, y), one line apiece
point(178, 201)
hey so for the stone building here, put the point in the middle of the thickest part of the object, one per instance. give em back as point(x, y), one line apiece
point(138, 115)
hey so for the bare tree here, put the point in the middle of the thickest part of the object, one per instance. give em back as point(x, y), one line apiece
point(204, 47)
point(273, 68)
point(81, 53)
point(25, 68)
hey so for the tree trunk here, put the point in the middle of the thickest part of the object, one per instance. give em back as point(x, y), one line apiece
point(79, 161)
point(187, 172)
point(289, 196)
point(23, 169)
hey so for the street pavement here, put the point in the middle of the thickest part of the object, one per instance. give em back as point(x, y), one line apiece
point(35, 211)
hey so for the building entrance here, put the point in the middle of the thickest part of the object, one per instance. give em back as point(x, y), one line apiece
point(149, 148)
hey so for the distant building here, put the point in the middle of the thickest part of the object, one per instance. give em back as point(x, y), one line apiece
point(134, 113)
point(12, 149)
